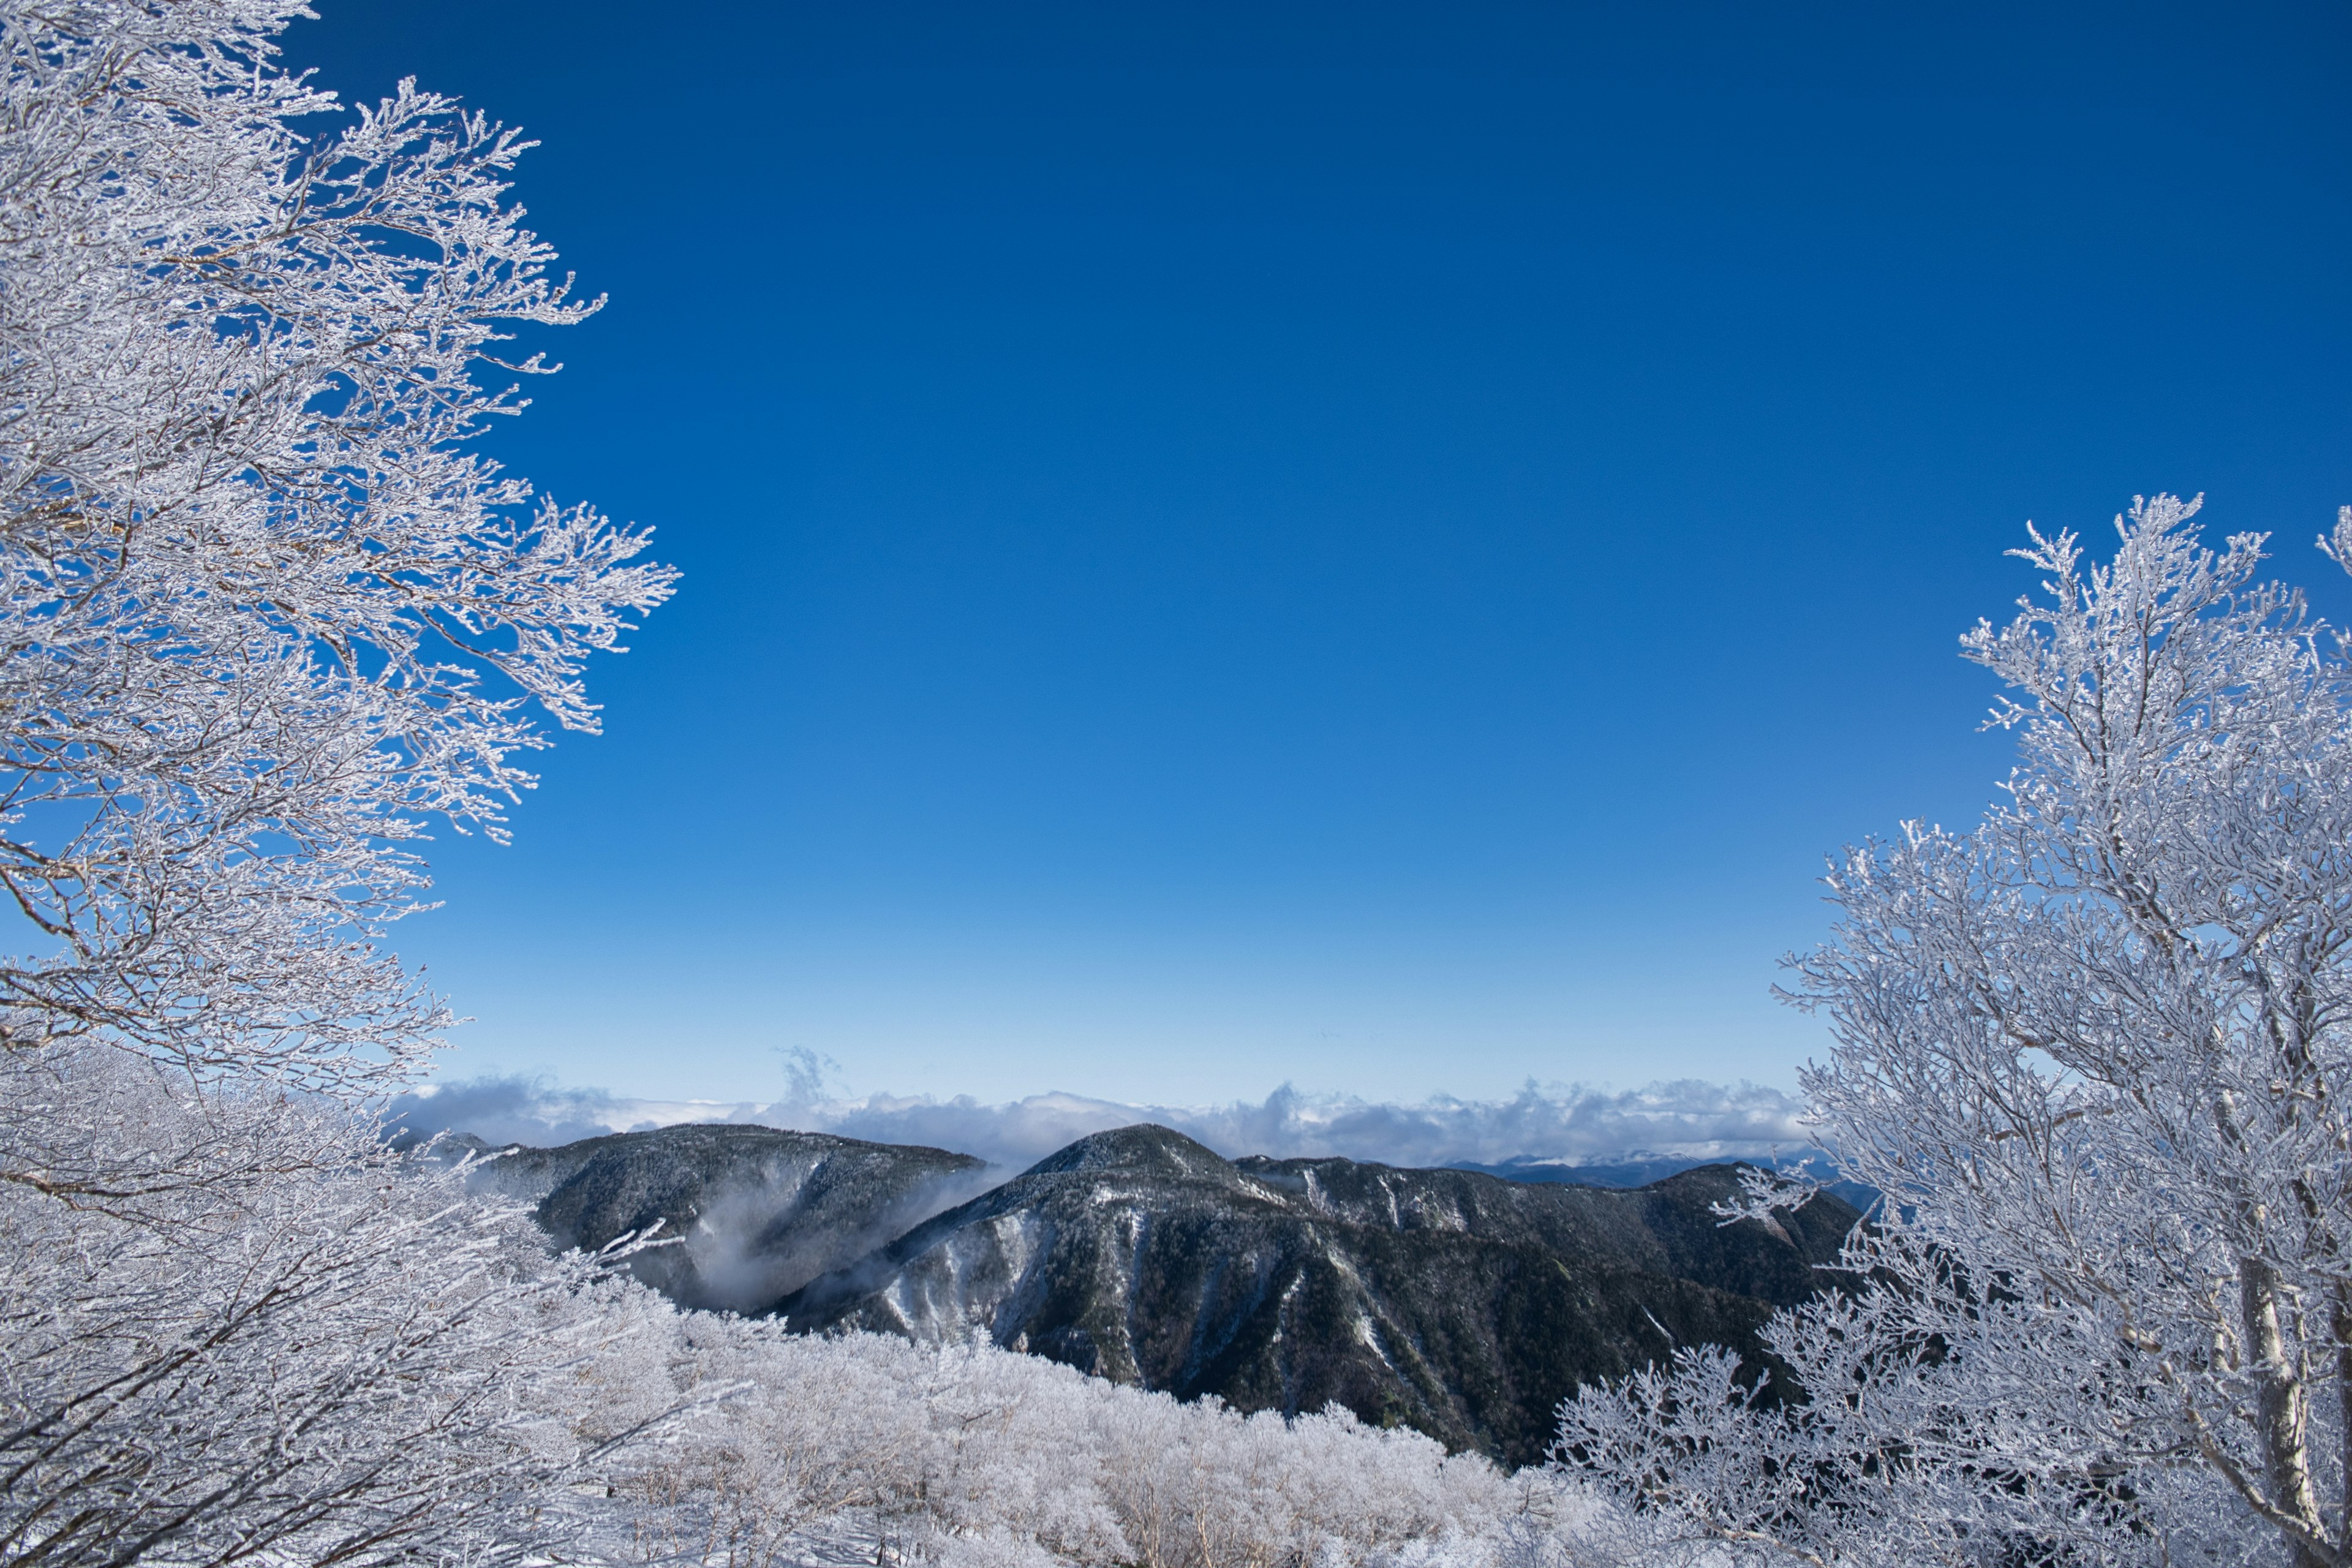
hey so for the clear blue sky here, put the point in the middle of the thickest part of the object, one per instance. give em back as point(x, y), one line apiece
point(1365, 544)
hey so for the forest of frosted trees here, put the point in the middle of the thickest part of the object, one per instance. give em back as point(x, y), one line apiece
point(268, 618)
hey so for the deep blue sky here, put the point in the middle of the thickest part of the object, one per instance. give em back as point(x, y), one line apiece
point(1371, 545)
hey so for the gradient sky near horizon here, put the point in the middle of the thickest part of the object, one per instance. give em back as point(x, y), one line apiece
point(1368, 545)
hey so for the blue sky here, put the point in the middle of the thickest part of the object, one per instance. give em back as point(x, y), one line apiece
point(1371, 546)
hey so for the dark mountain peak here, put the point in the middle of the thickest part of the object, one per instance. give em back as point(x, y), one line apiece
point(756, 1211)
point(1722, 1174)
point(1452, 1301)
point(1145, 1150)
point(709, 1151)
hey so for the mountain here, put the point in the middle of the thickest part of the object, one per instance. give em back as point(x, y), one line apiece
point(1642, 1173)
point(1453, 1301)
point(758, 1212)
point(1554, 1172)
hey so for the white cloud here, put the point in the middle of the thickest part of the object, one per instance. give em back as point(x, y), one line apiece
point(1570, 1125)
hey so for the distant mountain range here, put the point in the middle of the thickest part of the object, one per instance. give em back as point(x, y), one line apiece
point(1455, 1301)
point(1641, 1173)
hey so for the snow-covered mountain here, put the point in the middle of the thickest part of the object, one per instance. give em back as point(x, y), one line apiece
point(752, 1213)
point(1453, 1301)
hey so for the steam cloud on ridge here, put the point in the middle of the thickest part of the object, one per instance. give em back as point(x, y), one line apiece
point(1689, 1120)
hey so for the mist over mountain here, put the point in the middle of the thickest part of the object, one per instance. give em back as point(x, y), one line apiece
point(1627, 1137)
point(747, 1215)
point(1456, 1303)
point(1460, 1304)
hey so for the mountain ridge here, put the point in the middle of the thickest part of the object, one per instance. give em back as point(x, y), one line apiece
point(754, 1213)
point(1463, 1304)
point(1459, 1304)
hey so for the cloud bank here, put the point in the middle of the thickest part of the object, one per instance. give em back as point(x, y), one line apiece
point(1687, 1121)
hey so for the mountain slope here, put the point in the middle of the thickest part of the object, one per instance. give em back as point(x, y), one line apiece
point(758, 1212)
point(1455, 1302)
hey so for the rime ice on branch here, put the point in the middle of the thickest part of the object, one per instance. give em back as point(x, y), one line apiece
point(2096, 1055)
point(265, 614)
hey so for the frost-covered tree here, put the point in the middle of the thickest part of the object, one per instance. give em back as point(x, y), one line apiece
point(870, 1445)
point(2096, 1055)
point(266, 615)
point(344, 1365)
point(265, 612)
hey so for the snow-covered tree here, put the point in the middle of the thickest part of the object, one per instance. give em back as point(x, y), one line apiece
point(266, 611)
point(266, 615)
point(968, 1453)
point(2096, 1055)
point(343, 1365)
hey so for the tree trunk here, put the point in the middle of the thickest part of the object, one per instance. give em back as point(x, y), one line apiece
point(2281, 1413)
point(2341, 1322)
